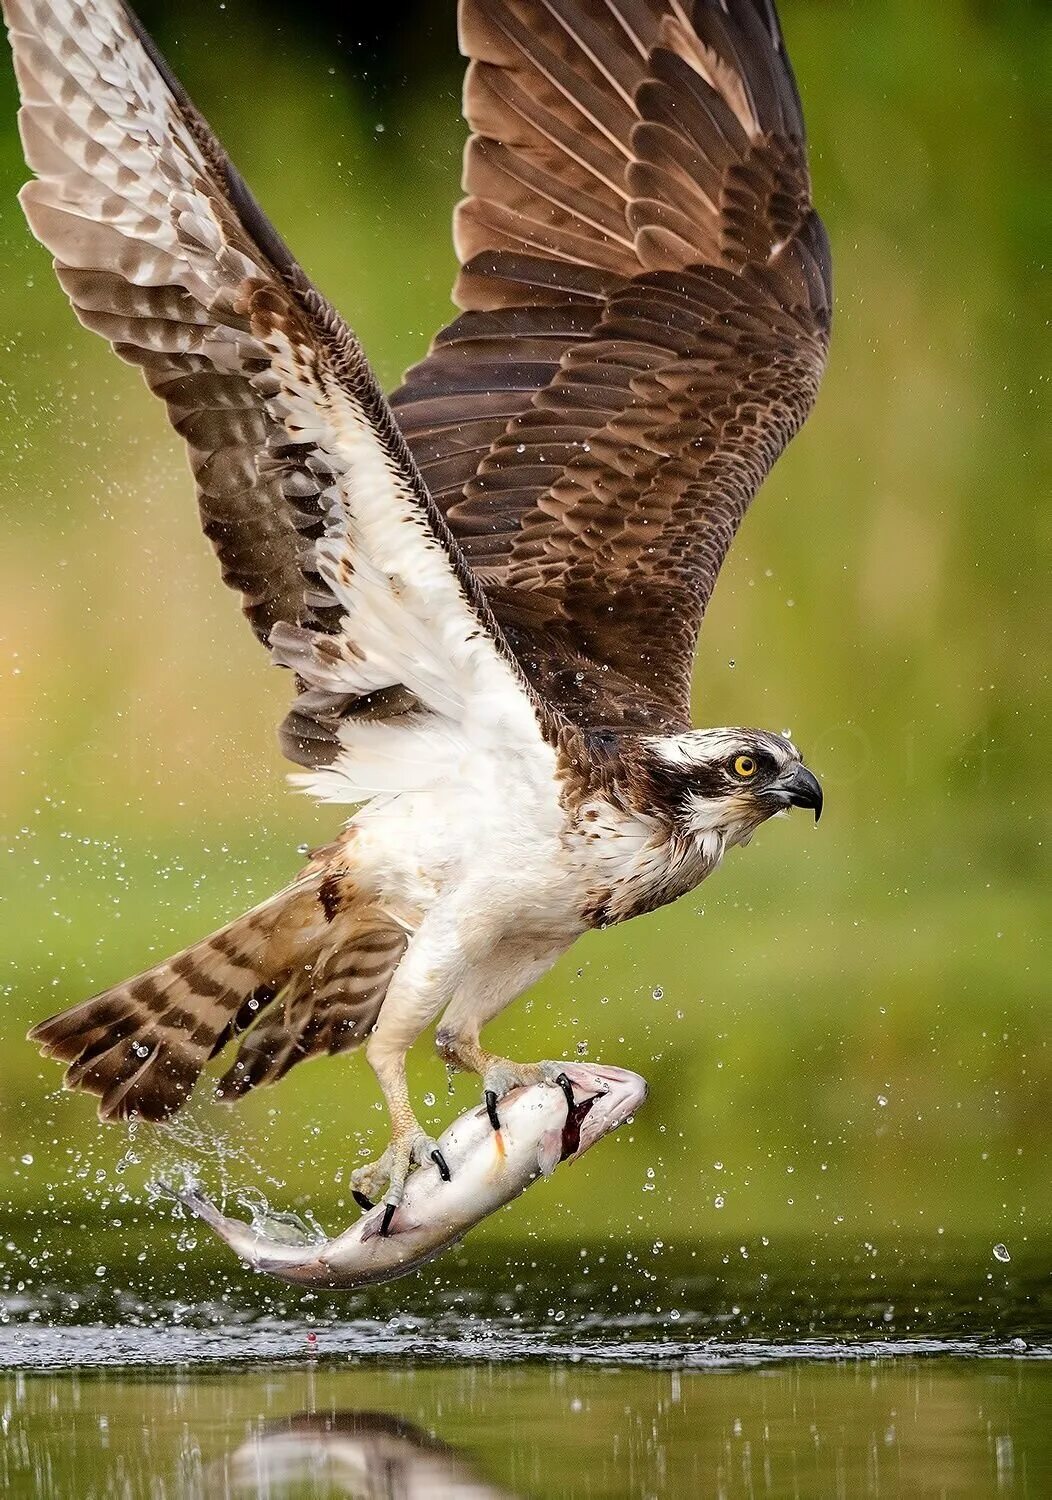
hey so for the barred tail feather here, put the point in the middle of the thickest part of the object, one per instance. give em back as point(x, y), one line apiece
point(331, 1009)
point(141, 1045)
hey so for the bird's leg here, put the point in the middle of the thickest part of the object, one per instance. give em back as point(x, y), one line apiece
point(410, 1004)
point(482, 995)
point(410, 1146)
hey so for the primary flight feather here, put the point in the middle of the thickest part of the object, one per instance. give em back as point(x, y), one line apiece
point(488, 589)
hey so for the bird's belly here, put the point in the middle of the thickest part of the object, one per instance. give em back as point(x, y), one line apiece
point(417, 850)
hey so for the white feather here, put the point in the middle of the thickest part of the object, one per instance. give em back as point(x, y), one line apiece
point(406, 619)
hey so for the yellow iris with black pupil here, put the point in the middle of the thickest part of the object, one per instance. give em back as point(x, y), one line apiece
point(745, 767)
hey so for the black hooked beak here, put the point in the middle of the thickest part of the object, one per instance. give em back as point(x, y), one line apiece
point(803, 790)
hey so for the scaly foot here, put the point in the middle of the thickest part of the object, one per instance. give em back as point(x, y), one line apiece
point(500, 1076)
point(407, 1149)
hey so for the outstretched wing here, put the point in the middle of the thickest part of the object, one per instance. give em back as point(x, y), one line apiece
point(647, 297)
point(307, 490)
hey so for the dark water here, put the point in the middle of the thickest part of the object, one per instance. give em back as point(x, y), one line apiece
point(836, 1369)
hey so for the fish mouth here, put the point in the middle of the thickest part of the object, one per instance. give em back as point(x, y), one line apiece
point(604, 1098)
point(576, 1113)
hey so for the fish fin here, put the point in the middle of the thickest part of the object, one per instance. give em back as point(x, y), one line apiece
point(549, 1152)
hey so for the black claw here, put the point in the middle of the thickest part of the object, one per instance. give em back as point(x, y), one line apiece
point(567, 1088)
point(364, 1203)
point(442, 1165)
point(389, 1213)
point(491, 1109)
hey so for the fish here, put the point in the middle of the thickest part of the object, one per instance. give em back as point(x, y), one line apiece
point(357, 1453)
point(540, 1126)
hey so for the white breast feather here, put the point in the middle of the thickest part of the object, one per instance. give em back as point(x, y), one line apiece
point(406, 617)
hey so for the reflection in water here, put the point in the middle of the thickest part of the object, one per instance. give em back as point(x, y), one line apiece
point(859, 1428)
point(365, 1454)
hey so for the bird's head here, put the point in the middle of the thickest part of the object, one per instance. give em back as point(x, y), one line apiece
point(719, 785)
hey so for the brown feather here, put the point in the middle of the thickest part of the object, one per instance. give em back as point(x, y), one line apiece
point(646, 300)
point(163, 251)
point(331, 1008)
point(601, 510)
point(141, 1045)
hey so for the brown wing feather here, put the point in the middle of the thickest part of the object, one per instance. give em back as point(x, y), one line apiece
point(302, 473)
point(161, 281)
point(586, 451)
point(639, 224)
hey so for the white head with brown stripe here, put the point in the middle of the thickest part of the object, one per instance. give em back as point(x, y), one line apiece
point(718, 785)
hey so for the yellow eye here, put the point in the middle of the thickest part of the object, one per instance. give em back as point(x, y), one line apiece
point(745, 767)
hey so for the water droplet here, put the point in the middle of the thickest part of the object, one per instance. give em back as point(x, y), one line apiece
point(658, 992)
point(27, 1160)
point(1001, 1253)
point(429, 1099)
point(718, 1201)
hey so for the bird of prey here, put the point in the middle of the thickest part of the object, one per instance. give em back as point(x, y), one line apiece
point(488, 587)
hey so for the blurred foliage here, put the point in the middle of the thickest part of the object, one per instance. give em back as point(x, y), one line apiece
point(845, 1030)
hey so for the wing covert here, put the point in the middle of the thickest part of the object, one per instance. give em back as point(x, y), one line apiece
point(640, 256)
point(307, 490)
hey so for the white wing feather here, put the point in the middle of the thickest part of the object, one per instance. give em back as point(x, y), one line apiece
point(152, 246)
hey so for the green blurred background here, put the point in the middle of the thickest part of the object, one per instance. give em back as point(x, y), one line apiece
point(846, 1029)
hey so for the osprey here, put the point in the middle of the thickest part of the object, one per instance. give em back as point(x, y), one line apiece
point(488, 588)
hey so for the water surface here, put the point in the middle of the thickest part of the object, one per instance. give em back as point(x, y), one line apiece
point(867, 1427)
point(837, 1368)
